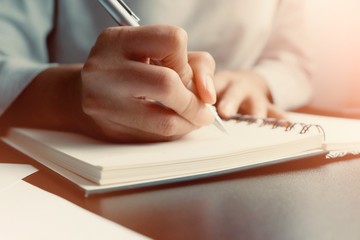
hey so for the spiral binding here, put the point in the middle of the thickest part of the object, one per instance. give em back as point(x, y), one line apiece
point(276, 123)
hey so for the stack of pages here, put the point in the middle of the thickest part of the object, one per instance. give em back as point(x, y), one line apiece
point(98, 166)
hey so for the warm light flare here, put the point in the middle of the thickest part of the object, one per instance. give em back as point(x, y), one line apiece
point(334, 28)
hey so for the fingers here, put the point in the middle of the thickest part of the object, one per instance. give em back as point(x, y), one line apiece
point(144, 121)
point(234, 102)
point(128, 97)
point(231, 93)
point(253, 104)
point(230, 101)
point(164, 44)
point(115, 99)
point(203, 67)
point(275, 112)
point(242, 92)
point(256, 106)
point(164, 85)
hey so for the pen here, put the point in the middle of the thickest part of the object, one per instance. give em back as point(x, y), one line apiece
point(124, 16)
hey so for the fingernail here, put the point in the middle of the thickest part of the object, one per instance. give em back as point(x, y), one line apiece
point(226, 110)
point(209, 85)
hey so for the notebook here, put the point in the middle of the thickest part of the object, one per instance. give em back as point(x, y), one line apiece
point(97, 166)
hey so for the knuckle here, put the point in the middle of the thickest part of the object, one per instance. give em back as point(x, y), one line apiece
point(106, 34)
point(111, 37)
point(103, 38)
point(178, 36)
point(164, 81)
point(208, 57)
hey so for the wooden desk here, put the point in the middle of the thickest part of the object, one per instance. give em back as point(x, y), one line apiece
point(311, 198)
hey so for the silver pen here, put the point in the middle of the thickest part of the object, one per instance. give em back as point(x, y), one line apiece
point(124, 16)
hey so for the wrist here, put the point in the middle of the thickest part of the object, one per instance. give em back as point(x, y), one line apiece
point(49, 101)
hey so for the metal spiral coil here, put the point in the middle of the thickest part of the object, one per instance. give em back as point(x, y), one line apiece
point(276, 123)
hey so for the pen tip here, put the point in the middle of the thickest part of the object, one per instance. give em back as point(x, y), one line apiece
point(217, 120)
point(219, 124)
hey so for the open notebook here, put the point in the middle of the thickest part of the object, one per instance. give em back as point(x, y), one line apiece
point(99, 166)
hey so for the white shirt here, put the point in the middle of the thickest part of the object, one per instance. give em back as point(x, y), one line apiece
point(262, 35)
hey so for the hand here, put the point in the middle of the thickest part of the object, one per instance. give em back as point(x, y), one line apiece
point(244, 92)
point(130, 99)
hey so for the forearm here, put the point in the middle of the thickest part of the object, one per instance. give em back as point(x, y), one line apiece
point(51, 100)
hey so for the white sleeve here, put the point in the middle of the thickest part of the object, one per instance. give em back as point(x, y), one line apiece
point(284, 63)
point(24, 28)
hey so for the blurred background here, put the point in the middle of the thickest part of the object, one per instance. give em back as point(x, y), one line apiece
point(334, 30)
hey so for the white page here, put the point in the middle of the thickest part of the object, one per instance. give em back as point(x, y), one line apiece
point(11, 173)
point(28, 212)
point(201, 144)
point(202, 152)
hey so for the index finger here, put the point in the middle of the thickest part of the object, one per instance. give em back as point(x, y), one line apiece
point(164, 85)
point(164, 43)
point(203, 66)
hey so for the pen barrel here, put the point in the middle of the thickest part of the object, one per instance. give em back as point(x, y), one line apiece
point(119, 13)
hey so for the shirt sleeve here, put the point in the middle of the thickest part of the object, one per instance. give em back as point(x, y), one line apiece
point(24, 28)
point(284, 63)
